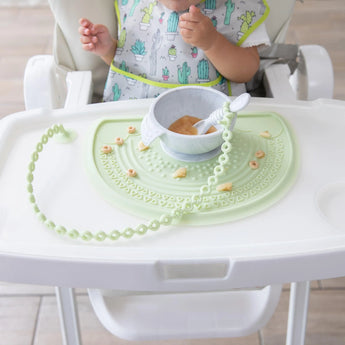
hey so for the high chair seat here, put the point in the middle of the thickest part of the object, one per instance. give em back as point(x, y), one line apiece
point(68, 54)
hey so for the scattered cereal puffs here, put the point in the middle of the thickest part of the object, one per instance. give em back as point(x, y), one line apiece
point(131, 173)
point(180, 172)
point(119, 141)
point(253, 165)
point(260, 154)
point(106, 149)
point(131, 129)
point(224, 187)
point(265, 134)
point(142, 146)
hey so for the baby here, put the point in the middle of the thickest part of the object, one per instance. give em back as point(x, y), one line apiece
point(169, 43)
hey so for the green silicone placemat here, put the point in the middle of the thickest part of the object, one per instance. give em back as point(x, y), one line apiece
point(154, 191)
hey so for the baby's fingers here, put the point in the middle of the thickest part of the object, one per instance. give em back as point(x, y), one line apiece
point(187, 35)
point(90, 47)
point(88, 43)
point(85, 39)
point(187, 25)
point(84, 31)
point(85, 22)
point(87, 27)
point(194, 15)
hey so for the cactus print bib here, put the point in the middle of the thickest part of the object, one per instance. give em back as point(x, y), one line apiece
point(152, 57)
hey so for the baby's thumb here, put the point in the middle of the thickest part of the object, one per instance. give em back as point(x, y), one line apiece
point(193, 9)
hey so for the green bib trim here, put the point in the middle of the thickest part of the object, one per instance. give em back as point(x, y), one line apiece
point(160, 84)
point(256, 25)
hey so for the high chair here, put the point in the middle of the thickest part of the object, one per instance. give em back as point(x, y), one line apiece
point(196, 301)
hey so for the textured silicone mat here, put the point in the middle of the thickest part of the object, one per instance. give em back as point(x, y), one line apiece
point(154, 190)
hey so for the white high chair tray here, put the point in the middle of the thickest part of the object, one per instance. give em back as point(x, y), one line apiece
point(301, 237)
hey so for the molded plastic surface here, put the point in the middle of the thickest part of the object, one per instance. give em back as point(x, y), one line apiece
point(154, 191)
point(313, 77)
point(186, 315)
point(39, 82)
point(290, 241)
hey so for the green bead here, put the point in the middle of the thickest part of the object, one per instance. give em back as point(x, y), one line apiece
point(226, 147)
point(154, 225)
point(56, 129)
point(227, 135)
point(223, 159)
point(39, 147)
point(86, 236)
point(32, 198)
point(50, 133)
point(30, 188)
point(41, 217)
point(101, 236)
point(141, 229)
point(29, 177)
point(31, 166)
point(73, 234)
point(226, 123)
point(205, 190)
point(34, 156)
point(212, 180)
point(44, 139)
point(165, 219)
point(61, 230)
point(114, 235)
point(128, 233)
point(49, 224)
point(218, 170)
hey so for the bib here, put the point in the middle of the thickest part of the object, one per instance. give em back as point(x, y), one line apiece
point(152, 57)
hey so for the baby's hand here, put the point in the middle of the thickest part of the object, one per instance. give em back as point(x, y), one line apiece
point(197, 29)
point(95, 37)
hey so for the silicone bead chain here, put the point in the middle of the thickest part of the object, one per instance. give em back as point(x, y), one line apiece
point(141, 229)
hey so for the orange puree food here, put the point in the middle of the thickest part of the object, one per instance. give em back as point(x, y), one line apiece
point(184, 125)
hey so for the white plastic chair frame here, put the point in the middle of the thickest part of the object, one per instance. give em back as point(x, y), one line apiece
point(70, 77)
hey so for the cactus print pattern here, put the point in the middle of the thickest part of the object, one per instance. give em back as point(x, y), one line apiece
point(151, 54)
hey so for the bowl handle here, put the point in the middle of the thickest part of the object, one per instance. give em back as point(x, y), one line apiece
point(149, 132)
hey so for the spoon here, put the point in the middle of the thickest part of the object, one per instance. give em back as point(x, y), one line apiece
point(236, 105)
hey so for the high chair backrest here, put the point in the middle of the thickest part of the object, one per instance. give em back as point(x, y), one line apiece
point(69, 55)
point(67, 51)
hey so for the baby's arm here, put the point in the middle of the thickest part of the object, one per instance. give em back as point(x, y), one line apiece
point(97, 39)
point(234, 63)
